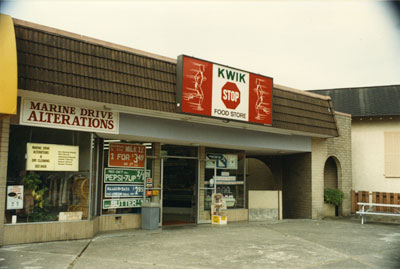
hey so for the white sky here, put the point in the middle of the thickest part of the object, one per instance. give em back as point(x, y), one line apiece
point(301, 44)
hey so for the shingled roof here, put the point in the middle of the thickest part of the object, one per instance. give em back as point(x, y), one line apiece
point(61, 63)
point(365, 101)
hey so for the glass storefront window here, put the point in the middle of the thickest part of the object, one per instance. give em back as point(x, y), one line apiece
point(179, 151)
point(225, 172)
point(124, 187)
point(48, 175)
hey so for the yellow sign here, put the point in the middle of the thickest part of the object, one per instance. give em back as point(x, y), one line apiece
point(216, 219)
point(8, 67)
point(48, 157)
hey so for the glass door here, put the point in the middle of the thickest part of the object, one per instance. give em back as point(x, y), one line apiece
point(153, 187)
point(179, 190)
point(206, 188)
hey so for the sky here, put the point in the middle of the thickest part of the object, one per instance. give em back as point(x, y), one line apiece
point(300, 44)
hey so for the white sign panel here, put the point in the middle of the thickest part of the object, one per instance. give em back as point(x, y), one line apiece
point(49, 157)
point(231, 100)
point(15, 197)
point(52, 115)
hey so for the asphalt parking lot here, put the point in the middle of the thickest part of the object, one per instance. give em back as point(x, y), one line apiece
point(333, 243)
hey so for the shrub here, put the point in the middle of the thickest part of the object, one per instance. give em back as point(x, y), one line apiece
point(333, 196)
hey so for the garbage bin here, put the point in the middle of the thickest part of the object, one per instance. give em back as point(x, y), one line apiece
point(150, 215)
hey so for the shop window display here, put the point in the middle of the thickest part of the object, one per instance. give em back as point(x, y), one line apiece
point(225, 172)
point(48, 171)
point(125, 176)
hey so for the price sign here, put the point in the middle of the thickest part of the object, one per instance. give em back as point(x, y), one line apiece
point(123, 190)
point(117, 175)
point(124, 203)
point(126, 155)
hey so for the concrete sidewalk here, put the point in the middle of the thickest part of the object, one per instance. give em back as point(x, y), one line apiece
point(335, 243)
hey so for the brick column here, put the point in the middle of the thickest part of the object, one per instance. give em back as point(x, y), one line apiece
point(156, 169)
point(4, 138)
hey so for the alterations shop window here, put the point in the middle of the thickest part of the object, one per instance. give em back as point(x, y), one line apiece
point(392, 154)
point(48, 175)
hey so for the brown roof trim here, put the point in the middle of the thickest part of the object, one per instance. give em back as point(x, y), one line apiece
point(92, 40)
point(314, 95)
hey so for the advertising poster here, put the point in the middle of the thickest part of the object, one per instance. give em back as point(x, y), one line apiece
point(15, 197)
point(126, 155)
point(222, 161)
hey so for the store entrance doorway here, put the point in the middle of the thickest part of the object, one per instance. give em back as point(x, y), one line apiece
point(179, 191)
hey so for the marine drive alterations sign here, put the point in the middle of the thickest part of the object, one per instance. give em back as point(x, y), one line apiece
point(62, 116)
point(214, 90)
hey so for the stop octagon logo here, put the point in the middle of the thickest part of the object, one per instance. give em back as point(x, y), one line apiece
point(230, 95)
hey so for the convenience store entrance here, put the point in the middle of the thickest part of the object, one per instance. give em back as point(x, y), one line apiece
point(179, 191)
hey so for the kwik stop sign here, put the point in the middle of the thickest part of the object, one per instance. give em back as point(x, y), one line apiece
point(215, 90)
point(230, 95)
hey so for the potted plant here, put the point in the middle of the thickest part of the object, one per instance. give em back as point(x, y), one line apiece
point(34, 195)
point(332, 198)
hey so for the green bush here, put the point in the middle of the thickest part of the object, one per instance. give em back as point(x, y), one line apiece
point(333, 196)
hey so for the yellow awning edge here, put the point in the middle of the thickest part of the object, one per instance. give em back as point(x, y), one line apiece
point(8, 67)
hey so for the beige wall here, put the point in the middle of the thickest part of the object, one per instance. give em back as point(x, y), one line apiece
point(42, 232)
point(265, 205)
point(264, 199)
point(4, 135)
point(259, 176)
point(340, 149)
point(368, 155)
point(240, 214)
point(53, 231)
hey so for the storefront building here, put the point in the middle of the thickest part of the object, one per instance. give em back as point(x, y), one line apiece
point(101, 129)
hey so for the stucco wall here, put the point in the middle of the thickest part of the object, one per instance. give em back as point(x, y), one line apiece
point(368, 155)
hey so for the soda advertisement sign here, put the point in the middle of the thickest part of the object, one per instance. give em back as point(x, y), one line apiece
point(115, 175)
point(126, 155)
point(210, 89)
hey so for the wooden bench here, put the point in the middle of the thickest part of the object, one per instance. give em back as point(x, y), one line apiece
point(363, 213)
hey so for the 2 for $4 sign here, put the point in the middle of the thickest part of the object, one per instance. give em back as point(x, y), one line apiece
point(126, 155)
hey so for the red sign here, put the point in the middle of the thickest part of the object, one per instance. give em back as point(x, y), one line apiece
point(197, 87)
point(126, 155)
point(214, 90)
point(260, 99)
point(230, 95)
